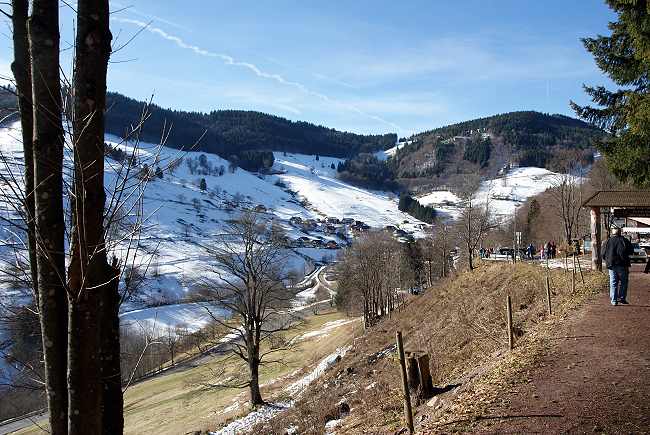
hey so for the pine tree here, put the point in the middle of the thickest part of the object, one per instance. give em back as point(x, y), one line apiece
point(625, 57)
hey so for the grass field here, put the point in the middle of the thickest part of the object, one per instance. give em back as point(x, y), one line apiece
point(179, 402)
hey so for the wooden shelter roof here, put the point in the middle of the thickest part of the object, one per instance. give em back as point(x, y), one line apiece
point(619, 198)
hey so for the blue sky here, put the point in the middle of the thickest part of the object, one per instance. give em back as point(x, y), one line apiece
point(363, 66)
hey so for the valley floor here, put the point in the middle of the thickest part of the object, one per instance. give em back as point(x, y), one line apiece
point(591, 378)
point(181, 400)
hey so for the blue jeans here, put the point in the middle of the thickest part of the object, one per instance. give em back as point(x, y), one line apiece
point(618, 283)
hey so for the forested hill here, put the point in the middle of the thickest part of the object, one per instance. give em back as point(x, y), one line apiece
point(229, 132)
point(485, 145)
point(526, 129)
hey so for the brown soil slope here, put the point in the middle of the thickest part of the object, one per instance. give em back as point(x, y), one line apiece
point(593, 378)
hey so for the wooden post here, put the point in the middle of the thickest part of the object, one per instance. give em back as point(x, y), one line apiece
point(408, 413)
point(548, 293)
point(582, 277)
point(413, 374)
point(573, 278)
point(509, 310)
point(596, 256)
point(426, 383)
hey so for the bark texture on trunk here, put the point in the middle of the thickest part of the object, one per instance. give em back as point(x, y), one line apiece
point(254, 386)
point(21, 68)
point(43, 28)
point(95, 396)
point(254, 367)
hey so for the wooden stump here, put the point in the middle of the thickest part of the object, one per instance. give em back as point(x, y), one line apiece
point(412, 371)
point(426, 383)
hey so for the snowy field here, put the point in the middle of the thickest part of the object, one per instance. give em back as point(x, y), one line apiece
point(505, 194)
point(315, 181)
point(189, 317)
point(181, 218)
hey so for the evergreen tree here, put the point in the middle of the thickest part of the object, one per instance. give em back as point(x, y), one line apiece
point(203, 185)
point(625, 57)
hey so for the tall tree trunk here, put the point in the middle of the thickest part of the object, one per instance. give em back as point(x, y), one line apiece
point(254, 367)
point(50, 226)
point(21, 68)
point(95, 397)
point(112, 400)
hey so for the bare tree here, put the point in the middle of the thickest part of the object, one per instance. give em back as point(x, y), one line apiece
point(78, 308)
point(567, 194)
point(370, 272)
point(474, 222)
point(171, 340)
point(251, 259)
point(436, 256)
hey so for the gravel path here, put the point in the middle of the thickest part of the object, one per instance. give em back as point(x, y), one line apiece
point(595, 379)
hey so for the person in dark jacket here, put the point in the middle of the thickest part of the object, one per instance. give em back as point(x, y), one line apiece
point(617, 253)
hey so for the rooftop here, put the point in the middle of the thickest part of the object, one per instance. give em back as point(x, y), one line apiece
point(619, 198)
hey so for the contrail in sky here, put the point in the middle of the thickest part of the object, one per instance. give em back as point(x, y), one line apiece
point(229, 60)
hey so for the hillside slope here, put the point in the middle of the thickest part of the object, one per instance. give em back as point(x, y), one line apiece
point(460, 323)
point(181, 217)
point(486, 145)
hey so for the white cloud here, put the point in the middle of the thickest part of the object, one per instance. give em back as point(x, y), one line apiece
point(463, 58)
point(257, 71)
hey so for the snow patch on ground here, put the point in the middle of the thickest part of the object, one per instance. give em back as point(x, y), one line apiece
point(327, 328)
point(390, 152)
point(262, 414)
point(267, 412)
point(299, 386)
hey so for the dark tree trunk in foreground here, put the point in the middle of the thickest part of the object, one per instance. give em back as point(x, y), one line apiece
point(50, 226)
point(95, 397)
point(254, 368)
point(21, 68)
point(112, 400)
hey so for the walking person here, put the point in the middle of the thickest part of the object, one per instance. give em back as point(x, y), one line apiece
point(617, 253)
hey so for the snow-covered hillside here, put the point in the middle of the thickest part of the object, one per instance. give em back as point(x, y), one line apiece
point(181, 218)
point(390, 152)
point(314, 180)
point(505, 193)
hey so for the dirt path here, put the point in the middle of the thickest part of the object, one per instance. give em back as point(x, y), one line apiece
point(596, 378)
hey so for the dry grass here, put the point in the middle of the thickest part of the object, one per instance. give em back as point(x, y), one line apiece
point(461, 323)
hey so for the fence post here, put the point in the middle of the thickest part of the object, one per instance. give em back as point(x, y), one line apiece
point(405, 388)
point(548, 293)
point(573, 278)
point(509, 309)
point(582, 277)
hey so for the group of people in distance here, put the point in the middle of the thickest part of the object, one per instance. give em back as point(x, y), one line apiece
point(548, 251)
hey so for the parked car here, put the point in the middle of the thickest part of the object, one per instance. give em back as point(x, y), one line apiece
point(640, 255)
point(505, 254)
